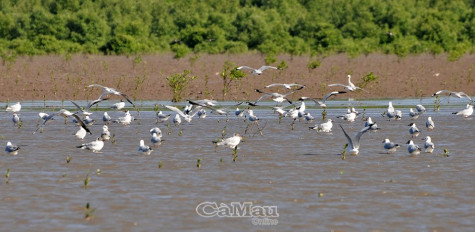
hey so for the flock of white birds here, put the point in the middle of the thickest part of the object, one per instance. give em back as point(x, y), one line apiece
point(294, 110)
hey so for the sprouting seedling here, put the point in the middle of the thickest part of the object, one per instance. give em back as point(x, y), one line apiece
point(155, 108)
point(223, 133)
point(86, 180)
point(344, 152)
point(221, 160)
point(7, 176)
point(169, 131)
point(320, 194)
point(113, 139)
point(180, 133)
point(159, 164)
point(446, 152)
point(88, 214)
point(3, 137)
point(341, 172)
point(68, 159)
point(280, 118)
point(198, 163)
point(437, 103)
point(98, 171)
point(324, 114)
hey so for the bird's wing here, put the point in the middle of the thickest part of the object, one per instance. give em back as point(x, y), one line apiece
point(466, 95)
point(90, 104)
point(293, 91)
point(350, 142)
point(356, 87)
point(95, 85)
point(275, 84)
point(176, 110)
point(441, 92)
point(332, 94)
point(360, 133)
point(77, 106)
point(266, 67)
point(337, 85)
point(81, 123)
point(126, 98)
point(247, 67)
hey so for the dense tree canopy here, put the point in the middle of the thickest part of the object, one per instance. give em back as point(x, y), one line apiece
point(214, 26)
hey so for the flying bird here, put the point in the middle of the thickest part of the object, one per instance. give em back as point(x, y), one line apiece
point(321, 103)
point(354, 144)
point(287, 86)
point(452, 93)
point(350, 87)
point(257, 71)
point(277, 97)
point(107, 91)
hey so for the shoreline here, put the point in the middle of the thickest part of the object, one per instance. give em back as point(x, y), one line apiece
point(143, 77)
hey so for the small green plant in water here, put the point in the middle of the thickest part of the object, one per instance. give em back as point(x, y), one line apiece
point(68, 159)
point(437, 103)
point(198, 163)
point(446, 152)
point(344, 152)
point(159, 164)
point(179, 84)
point(230, 74)
point(324, 114)
point(87, 180)
point(89, 212)
point(98, 171)
point(7, 176)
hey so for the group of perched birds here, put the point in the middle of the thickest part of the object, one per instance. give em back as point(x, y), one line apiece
point(296, 110)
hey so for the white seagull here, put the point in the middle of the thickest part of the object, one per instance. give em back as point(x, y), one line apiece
point(413, 130)
point(105, 135)
point(350, 87)
point(231, 142)
point(465, 112)
point(94, 146)
point(429, 123)
point(420, 109)
point(187, 117)
point(389, 146)
point(321, 103)
point(354, 144)
point(452, 93)
point(144, 149)
point(372, 125)
point(14, 108)
point(257, 71)
point(428, 145)
point(81, 133)
point(106, 91)
point(12, 149)
point(156, 138)
point(15, 119)
point(106, 118)
point(412, 148)
point(119, 105)
point(126, 120)
point(287, 86)
point(162, 117)
point(412, 114)
point(323, 127)
point(277, 97)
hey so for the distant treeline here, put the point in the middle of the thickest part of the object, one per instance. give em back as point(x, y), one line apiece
point(402, 27)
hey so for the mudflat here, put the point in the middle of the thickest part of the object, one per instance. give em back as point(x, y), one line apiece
point(144, 77)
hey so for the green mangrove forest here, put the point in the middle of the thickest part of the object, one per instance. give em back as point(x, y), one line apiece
point(296, 27)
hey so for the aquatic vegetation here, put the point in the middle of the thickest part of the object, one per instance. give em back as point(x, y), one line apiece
point(89, 212)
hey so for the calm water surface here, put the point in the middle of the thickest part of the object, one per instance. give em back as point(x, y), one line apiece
point(296, 169)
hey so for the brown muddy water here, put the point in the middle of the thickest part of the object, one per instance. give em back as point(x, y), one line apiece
point(298, 171)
